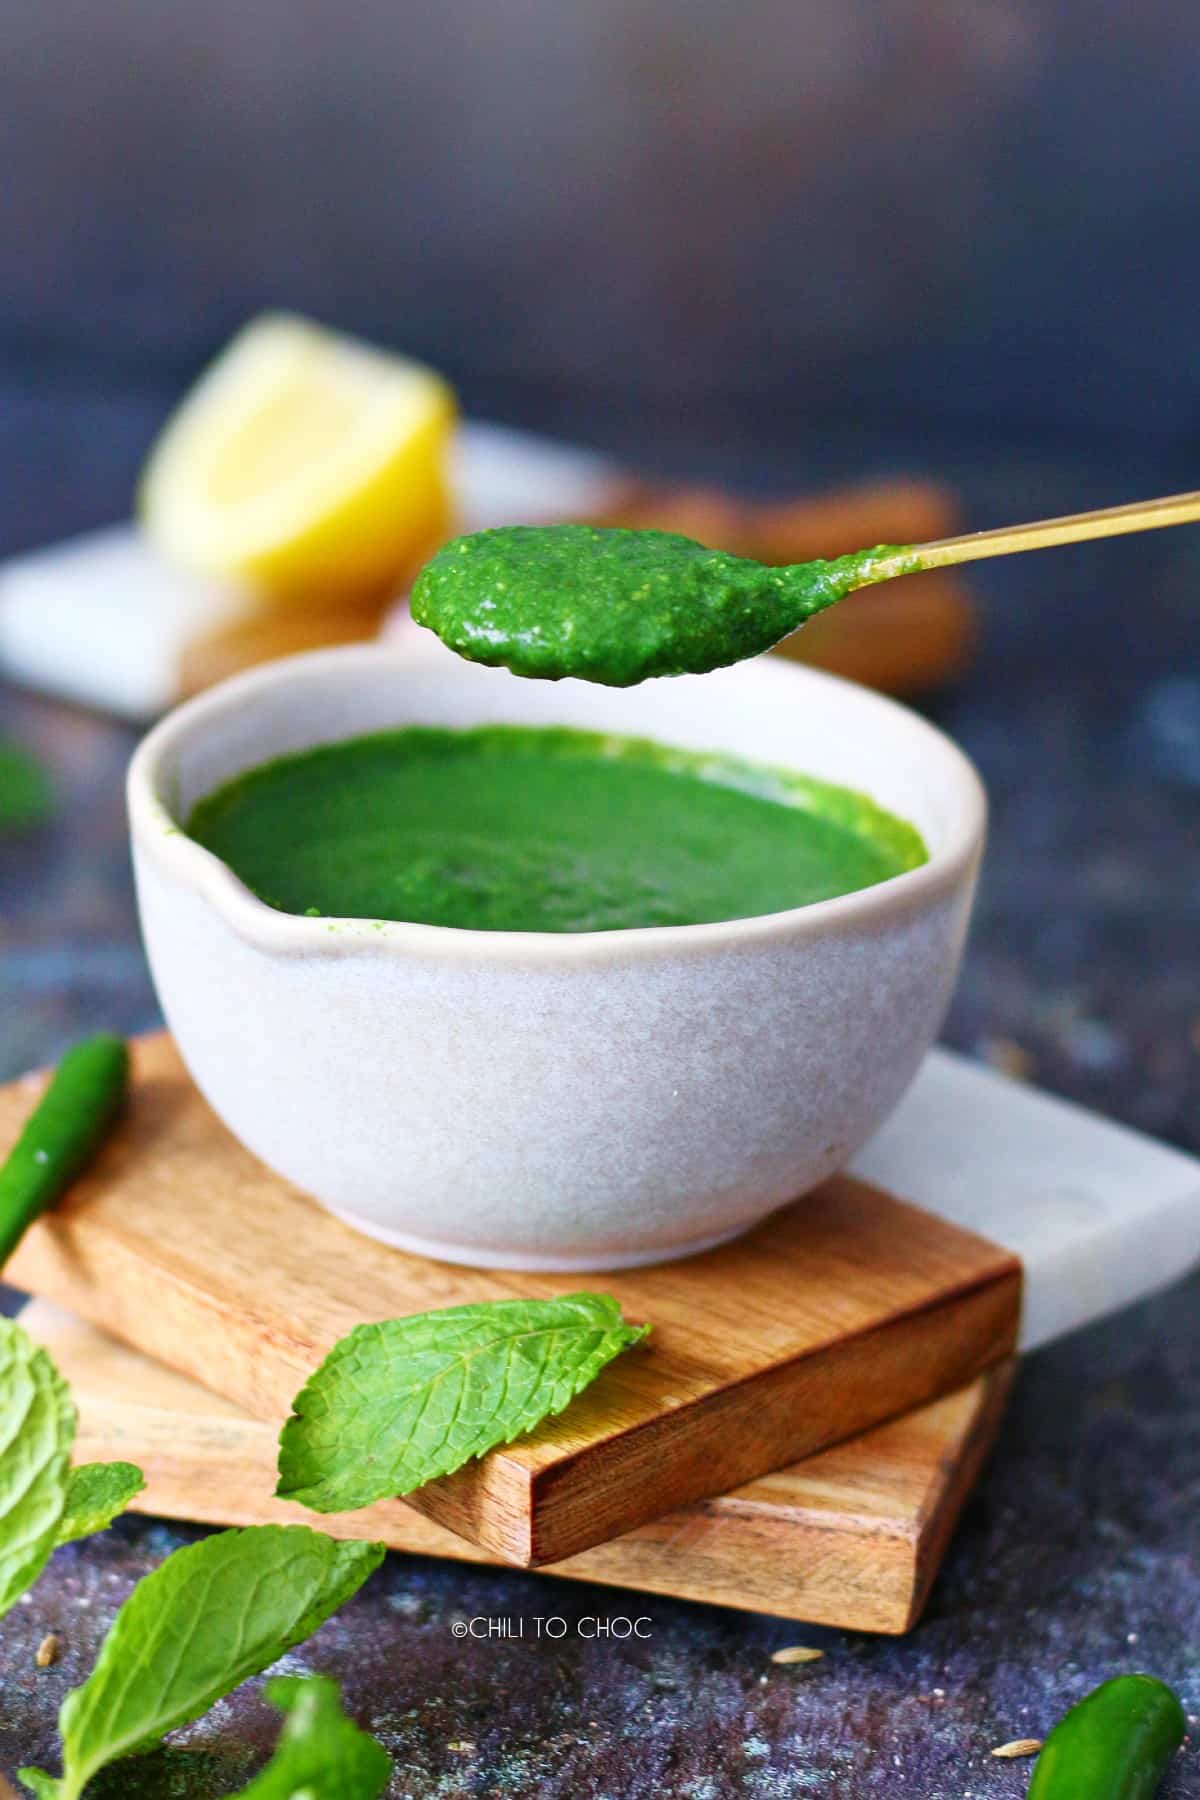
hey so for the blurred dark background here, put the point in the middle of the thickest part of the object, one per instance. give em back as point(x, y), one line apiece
point(838, 231)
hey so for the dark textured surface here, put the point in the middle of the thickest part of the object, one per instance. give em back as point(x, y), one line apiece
point(1078, 1556)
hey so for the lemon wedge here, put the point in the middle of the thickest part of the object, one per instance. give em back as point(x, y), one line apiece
point(303, 463)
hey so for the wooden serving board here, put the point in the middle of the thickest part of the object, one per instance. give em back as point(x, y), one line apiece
point(840, 1312)
point(852, 1537)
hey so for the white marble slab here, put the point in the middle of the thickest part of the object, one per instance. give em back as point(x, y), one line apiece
point(1098, 1214)
point(103, 619)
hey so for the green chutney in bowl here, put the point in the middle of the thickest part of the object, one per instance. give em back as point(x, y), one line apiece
point(542, 828)
point(550, 975)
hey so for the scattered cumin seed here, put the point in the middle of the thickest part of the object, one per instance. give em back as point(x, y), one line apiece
point(1019, 1747)
point(796, 1653)
point(47, 1651)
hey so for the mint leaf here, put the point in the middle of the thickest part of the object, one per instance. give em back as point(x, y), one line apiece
point(396, 1404)
point(43, 1502)
point(96, 1493)
point(321, 1755)
point(209, 1617)
point(37, 1429)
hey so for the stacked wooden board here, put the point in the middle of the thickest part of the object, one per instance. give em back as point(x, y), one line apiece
point(796, 1435)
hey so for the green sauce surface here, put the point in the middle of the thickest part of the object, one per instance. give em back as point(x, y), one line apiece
point(616, 606)
point(517, 828)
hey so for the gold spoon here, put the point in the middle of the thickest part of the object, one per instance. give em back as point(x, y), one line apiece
point(1073, 528)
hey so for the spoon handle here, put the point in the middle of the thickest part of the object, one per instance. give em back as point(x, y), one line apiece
point(1110, 521)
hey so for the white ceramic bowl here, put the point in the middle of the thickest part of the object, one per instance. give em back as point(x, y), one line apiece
point(532, 1100)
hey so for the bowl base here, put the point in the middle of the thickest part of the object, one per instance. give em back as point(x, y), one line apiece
point(534, 1261)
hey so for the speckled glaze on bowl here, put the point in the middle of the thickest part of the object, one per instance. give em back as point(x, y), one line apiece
point(542, 1101)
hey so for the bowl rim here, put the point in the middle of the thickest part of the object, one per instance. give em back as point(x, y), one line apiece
point(160, 837)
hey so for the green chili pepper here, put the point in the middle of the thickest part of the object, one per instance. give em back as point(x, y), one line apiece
point(1117, 1744)
point(25, 794)
point(64, 1131)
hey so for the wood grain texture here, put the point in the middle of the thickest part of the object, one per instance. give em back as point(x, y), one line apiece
point(900, 510)
point(852, 1537)
point(904, 637)
point(262, 635)
point(842, 1311)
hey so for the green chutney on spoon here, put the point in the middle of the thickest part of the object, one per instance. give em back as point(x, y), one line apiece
point(616, 606)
